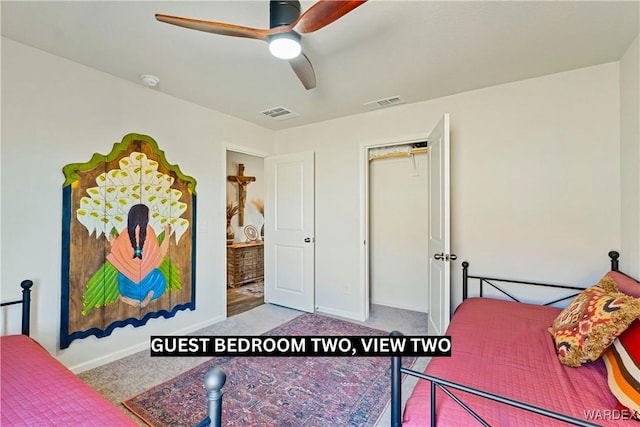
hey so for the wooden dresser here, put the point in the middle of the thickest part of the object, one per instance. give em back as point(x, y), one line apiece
point(245, 263)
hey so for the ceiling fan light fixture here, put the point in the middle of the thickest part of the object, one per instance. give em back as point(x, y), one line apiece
point(285, 45)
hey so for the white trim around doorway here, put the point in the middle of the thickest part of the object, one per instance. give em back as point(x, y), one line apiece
point(364, 215)
point(226, 147)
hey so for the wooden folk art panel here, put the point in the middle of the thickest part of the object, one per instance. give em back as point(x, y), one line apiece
point(128, 243)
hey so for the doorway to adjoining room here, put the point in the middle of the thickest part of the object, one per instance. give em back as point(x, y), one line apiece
point(244, 232)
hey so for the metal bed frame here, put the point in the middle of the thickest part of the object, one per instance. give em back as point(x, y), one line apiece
point(26, 305)
point(214, 379)
point(439, 383)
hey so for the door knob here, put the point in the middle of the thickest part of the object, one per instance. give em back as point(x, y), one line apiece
point(453, 257)
point(307, 239)
point(439, 256)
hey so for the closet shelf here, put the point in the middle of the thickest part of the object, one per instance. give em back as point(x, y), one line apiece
point(400, 154)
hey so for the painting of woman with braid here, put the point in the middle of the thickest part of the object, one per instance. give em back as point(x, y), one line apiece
point(128, 240)
point(137, 255)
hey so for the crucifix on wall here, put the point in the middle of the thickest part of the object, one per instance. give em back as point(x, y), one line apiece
point(242, 182)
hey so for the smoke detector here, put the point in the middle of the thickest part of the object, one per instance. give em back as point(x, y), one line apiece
point(149, 80)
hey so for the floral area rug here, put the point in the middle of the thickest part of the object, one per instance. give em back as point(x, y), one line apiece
point(255, 289)
point(280, 391)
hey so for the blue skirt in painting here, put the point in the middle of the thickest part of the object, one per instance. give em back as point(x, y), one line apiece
point(154, 281)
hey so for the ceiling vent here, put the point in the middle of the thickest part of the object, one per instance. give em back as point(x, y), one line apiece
point(279, 113)
point(382, 103)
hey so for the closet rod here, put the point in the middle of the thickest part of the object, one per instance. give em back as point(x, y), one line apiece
point(404, 154)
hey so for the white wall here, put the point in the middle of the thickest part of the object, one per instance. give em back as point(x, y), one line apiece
point(630, 159)
point(535, 180)
point(56, 112)
point(398, 231)
point(254, 166)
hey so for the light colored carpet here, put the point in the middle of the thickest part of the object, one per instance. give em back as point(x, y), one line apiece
point(126, 377)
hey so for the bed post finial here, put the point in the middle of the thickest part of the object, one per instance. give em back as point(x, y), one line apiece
point(614, 255)
point(26, 305)
point(214, 380)
point(465, 279)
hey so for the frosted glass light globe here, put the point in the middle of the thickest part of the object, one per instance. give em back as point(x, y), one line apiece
point(284, 47)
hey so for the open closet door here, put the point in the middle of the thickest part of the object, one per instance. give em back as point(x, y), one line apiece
point(289, 246)
point(439, 229)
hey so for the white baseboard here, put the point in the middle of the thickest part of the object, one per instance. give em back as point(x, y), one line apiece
point(400, 306)
point(107, 358)
point(340, 313)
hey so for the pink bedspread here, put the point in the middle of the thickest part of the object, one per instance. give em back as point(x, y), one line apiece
point(503, 347)
point(37, 390)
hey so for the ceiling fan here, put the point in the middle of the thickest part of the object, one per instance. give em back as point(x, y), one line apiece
point(286, 26)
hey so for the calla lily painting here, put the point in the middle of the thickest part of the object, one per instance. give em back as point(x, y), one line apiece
point(128, 243)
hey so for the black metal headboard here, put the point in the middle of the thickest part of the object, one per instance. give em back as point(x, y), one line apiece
point(613, 255)
point(26, 305)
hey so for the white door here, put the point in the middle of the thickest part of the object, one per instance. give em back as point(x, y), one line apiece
point(289, 270)
point(439, 228)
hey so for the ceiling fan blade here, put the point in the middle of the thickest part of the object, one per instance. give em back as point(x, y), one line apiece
point(323, 13)
point(304, 70)
point(215, 27)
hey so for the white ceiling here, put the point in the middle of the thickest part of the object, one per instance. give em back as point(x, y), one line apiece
point(417, 50)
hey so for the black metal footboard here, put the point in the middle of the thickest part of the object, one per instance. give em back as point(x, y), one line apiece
point(396, 398)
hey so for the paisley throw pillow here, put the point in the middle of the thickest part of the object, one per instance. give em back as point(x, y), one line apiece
point(592, 321)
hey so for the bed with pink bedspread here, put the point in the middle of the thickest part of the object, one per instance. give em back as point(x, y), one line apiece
point(503, 355)
point(37, 390)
